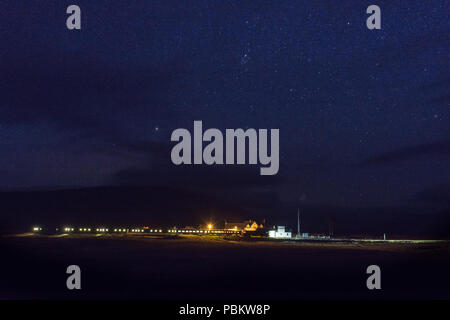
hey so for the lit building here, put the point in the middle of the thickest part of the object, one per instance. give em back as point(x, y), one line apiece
point(280, 232)
point(249, 225)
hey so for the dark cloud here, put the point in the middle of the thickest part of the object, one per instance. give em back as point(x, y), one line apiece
point(443, 99)
point(158, 169)
point(85, 94)
point(153, 149)
point(98, 106)
point(440, 148)
point(211, 178)
point(439, 194)
point(437, 84)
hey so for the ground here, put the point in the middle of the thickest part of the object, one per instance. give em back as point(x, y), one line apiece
point(206, 267)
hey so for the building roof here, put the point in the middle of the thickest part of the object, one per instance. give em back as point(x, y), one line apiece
point(241, 225)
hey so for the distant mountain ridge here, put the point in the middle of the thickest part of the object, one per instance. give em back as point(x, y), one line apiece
point(167, 207)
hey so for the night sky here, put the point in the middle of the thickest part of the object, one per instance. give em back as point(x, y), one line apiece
point(363, 114)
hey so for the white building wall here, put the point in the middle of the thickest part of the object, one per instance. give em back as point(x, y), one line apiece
point(283, 235)
point(280, 233)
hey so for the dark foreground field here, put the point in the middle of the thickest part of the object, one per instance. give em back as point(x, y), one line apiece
point(211, 268)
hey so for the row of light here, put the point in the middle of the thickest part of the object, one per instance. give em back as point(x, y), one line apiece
point(103, 230)
point(69, 229)
point(142, 230)
point(202, 231)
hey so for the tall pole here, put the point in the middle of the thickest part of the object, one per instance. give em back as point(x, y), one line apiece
point(298, 223)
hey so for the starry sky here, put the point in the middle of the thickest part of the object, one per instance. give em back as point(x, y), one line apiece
point(363, 114)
